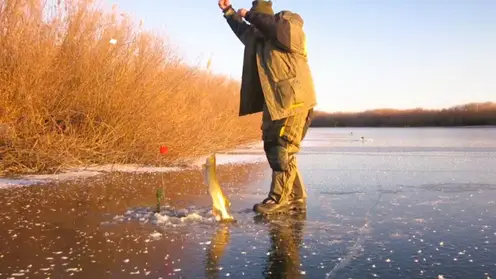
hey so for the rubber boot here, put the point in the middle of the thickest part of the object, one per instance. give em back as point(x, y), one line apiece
point(269, 206)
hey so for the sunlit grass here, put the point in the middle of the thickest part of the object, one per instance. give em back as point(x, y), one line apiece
point(80, 86)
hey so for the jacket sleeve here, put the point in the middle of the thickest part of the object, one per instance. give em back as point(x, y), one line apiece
point(285, 30)
point(238, 26)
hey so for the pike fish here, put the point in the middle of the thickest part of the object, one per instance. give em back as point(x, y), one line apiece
point(220, 203)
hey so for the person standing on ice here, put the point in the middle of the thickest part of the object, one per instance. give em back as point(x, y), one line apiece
point(276, 81)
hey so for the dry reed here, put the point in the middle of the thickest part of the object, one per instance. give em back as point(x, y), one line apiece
point(71, 96)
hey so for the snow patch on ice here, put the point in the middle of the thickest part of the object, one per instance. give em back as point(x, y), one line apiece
point(30, 180)
point(128, 168)
point(166, 217)
point(11, 183)
point(79, 173)
point(232, 159)
point(63, 176)
point(237, 156)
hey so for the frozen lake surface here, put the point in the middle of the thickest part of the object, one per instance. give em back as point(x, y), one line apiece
point(397, 203)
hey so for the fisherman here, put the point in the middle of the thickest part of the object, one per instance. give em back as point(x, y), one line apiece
point(276, 81)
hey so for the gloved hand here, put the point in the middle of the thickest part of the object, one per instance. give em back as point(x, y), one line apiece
point(242, 12)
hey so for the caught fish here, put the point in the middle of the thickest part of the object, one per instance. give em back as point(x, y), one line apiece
point(220, 203)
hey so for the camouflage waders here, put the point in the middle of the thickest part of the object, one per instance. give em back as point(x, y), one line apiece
point(282, 140)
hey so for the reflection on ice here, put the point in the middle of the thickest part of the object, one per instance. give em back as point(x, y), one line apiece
point(215, 251)
point(286, 238)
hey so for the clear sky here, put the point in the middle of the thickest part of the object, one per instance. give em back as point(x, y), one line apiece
point(364, 54)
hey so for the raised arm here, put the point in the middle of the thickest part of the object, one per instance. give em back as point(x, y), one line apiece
point(285, 29)
point(236, 22)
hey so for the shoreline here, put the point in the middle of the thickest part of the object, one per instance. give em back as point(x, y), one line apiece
point(228, 157)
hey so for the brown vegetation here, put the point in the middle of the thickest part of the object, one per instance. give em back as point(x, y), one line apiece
point(68, 96)
point(465, 115)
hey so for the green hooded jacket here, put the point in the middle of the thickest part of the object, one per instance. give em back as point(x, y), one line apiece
point(275, 64)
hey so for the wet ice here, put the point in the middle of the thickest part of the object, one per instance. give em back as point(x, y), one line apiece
point(435, 218)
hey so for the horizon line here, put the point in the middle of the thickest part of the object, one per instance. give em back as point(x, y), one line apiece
point(489, 103)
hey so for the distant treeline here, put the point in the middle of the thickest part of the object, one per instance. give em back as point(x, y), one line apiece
point(473, 114)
